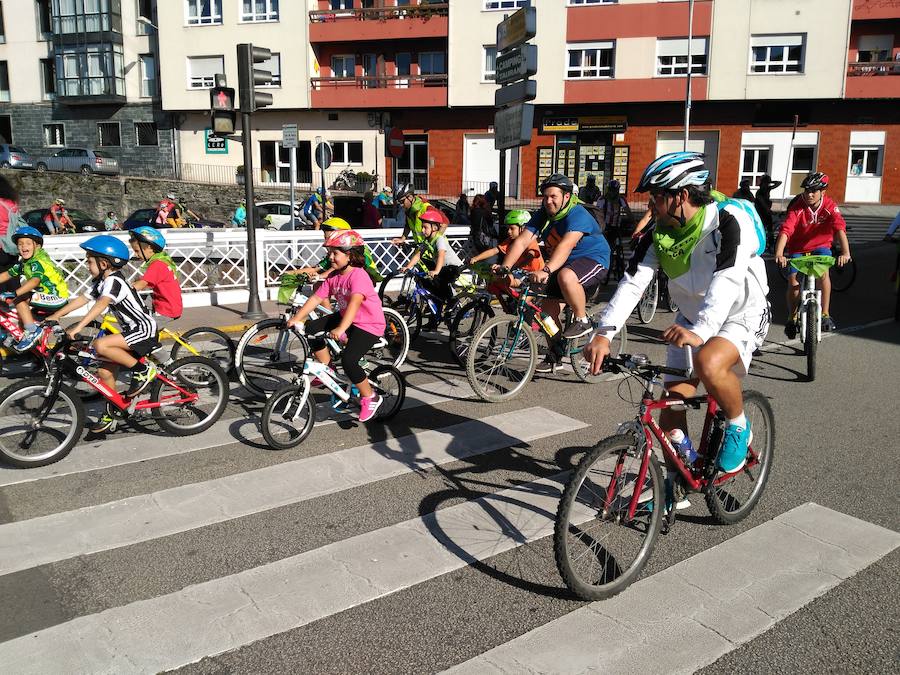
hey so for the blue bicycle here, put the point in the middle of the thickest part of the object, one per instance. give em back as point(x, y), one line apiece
point(417, 302)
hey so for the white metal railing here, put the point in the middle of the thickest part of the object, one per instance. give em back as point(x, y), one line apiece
point(212, 263)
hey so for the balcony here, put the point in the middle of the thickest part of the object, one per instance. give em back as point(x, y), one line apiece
point(71, 27)
point(873, 79)
point(379, 23)
point(403, 91)
point(90, 74)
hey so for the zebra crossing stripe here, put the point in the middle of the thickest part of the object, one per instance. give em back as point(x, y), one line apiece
point(180, 628)
point(694, 612)
point(59, 536)
point(132, 448)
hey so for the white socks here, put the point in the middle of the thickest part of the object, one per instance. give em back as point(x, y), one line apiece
point(740, 420)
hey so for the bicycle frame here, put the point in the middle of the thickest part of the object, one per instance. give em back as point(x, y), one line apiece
point(810, 302)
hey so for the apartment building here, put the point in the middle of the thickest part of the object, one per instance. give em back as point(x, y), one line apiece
point(83, 73)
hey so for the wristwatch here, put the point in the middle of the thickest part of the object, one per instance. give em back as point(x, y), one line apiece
point(547, 269)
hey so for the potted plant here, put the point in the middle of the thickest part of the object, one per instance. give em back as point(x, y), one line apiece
point(239, 173)
point(364, 181)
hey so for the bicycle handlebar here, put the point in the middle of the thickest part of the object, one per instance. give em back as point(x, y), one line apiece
point(639, 364)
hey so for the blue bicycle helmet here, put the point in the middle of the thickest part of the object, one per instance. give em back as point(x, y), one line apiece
point(30, 232)
point(150, 235)
point(107, 246)
point(674, 171)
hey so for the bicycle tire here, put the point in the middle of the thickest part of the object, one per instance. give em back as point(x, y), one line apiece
point(262, 370)
point(388, 382)
point(405, 288)
point(466, 321)
point(196, 374)
point(411, 313)
point(576, 505)
point(283, 425)
point(209, 342)
point(493, 336)
point(723, 505)
point(18, 403)
point(810, 343)
point(647, 306)
point(396, 336)
point(842, 278)
point(582, 368)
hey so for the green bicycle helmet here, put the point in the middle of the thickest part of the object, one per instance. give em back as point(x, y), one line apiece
point(517, 217)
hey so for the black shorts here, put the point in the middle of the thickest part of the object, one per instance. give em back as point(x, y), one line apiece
point(138, 345)
point(589, 272)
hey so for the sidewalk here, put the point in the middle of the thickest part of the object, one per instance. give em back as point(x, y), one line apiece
point(226, 318)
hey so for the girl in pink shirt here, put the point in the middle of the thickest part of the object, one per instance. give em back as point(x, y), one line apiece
point(359, 314)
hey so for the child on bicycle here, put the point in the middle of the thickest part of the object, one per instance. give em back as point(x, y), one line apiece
point(436, 249)
point(360, 316)
point(158, 273)
point(106, 256)
point(813, 221)
point(42, 285)
point(530, 261)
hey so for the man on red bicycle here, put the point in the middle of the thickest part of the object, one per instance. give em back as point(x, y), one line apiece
point(717, 278)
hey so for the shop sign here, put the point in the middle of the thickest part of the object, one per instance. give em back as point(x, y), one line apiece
point(554, 125)
point(214, 144)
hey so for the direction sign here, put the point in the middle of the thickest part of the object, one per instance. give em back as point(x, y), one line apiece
point(518, 92)
point(512, 126)
point(288, 135)
point(516, 64)
point(323, 155)
point(518, 28)
point(395, 143)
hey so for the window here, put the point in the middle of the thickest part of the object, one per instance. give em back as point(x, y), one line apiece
point(754, 164)
point(489, 71)
point(672, 55)
point(202, 71)
point(4, 81)
point(48, 79)
point(144, 9)
point(503, 4)
point(341, 4)
point(273, 65)
point(403, 61)
point(204, 12)
point(145, 133)
point(412, 167)
point(259, 10)
point(90, 70)
point(148, 75)
point(44, 16)
point(592, 2)
point(2, 26)
point(776, 54)
point(109, 135)
point(593, 59)
point(347, 152)
point(54, 135)
point(343, 65)
point(874, 48)
point(432, 63)
point(865, 161)
point(803, 163)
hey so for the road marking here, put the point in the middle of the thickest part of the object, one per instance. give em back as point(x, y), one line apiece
point(59, 536)
point(140, 447)
point(840, 331)
point(226, 613)
point(692, 613)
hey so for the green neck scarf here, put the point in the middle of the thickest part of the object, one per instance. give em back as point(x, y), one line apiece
point(563, 212)
point(674, 245)
point(166, 258)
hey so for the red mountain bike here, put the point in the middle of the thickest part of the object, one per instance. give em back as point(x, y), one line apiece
point(611, 514)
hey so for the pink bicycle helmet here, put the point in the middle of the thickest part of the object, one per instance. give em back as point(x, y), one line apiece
point(344, 240)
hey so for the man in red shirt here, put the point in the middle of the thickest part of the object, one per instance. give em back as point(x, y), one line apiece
point(812, 223)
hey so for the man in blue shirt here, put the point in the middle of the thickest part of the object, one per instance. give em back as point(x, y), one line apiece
point(578, 255)
point(383, 199)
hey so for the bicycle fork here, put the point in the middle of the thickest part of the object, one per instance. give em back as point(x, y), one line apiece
point(810, 302)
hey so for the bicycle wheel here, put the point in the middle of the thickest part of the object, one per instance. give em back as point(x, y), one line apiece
point(647, 306)
point(581, 366)
point(411, 313)
point(600, 551)
point(406, 287)
point(842, 278)
point(209, 342)
point(25, 447)
point(388, 383)
point(501, 359)
point(396, 339)
point(467, 320)
point(811, 340)
point(267, 356)
point(196, 375)
point(732, 500)
point(289, 416)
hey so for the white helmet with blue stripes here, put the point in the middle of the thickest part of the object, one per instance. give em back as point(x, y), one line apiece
point(673, 171)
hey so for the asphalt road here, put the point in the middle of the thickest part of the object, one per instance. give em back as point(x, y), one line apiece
point(836, 446)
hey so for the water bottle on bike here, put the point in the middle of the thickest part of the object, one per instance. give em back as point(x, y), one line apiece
point(683, 446)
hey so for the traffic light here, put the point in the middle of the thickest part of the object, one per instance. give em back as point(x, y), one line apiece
point(249, 77)
point(222, 113)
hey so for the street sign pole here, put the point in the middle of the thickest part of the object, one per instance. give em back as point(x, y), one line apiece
point(254, 306)
point(320, 160)
point(289, 140)
point(293, 185)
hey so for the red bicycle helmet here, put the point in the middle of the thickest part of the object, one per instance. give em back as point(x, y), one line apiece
point(344, 240)
point(433, 215)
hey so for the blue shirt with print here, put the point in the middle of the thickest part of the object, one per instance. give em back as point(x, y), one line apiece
point(592, 245)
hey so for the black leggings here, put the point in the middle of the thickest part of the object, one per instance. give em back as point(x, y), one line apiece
point(442, 284)
point(358, 343)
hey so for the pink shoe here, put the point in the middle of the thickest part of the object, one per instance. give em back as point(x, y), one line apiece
point(368, 406)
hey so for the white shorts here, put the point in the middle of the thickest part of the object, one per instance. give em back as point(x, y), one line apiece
point(746, 332)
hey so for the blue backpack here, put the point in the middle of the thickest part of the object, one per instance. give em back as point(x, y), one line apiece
point(747, 207)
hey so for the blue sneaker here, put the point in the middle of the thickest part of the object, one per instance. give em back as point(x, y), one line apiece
point(646, 499)
point(29, 338)
point(734, 448)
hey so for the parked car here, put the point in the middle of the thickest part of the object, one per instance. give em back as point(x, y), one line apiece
point(15, 157)
point(146, 217)
point(281, 215)
point(83, 160)
point(83, 222)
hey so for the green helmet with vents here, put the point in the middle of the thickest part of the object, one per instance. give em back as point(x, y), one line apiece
point(517, 217)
